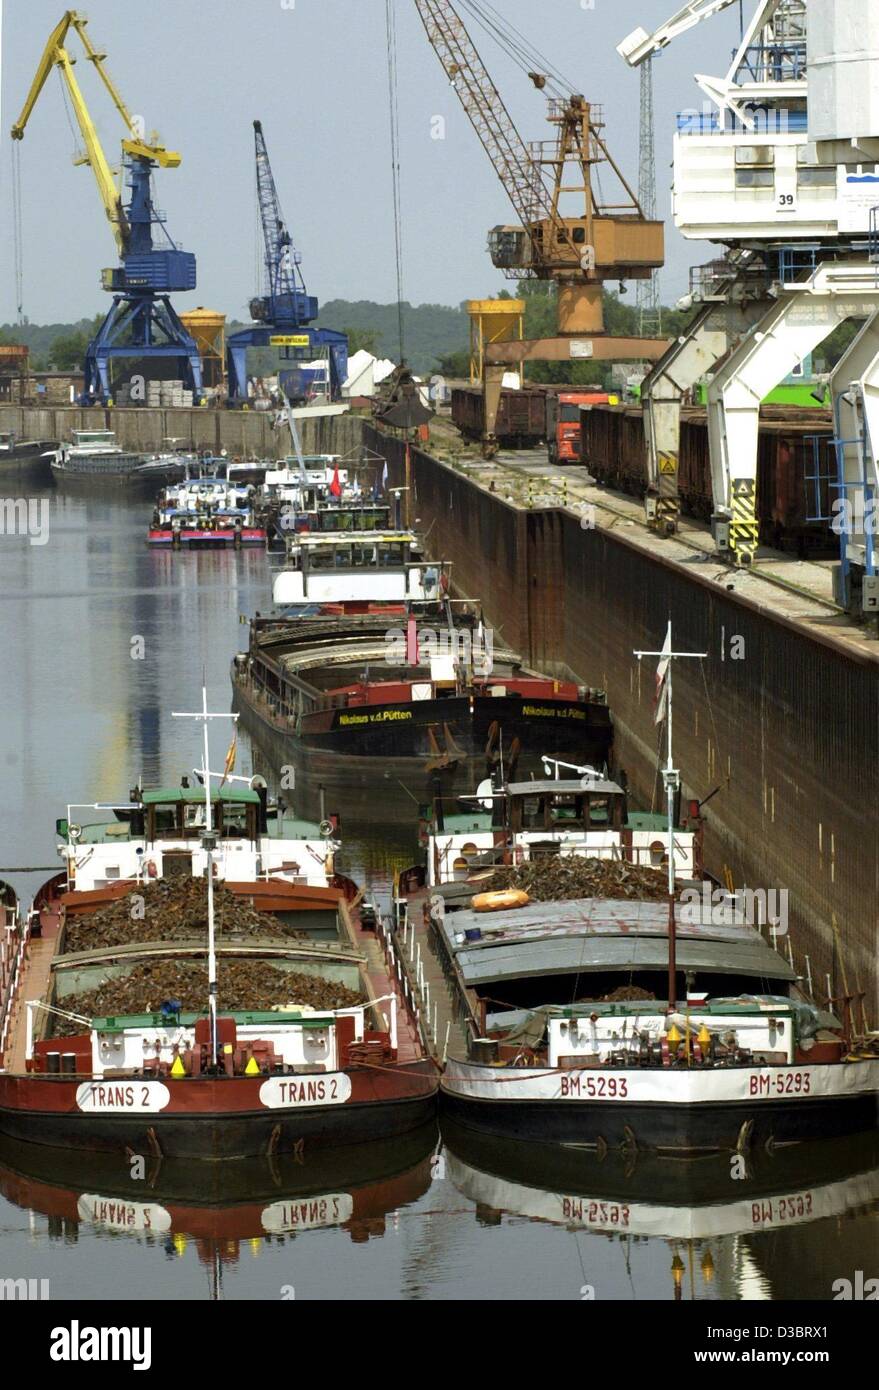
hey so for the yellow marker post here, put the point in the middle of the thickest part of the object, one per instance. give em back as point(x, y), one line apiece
point(252, 1068)
point(177, 1067)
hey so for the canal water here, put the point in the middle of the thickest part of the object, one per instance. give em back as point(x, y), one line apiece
point(101, 640)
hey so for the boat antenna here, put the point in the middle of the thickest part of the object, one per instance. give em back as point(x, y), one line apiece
point(209, 839)
point(672, 780)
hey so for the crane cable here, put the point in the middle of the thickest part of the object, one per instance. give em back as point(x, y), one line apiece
point(513, 42)
point(394, 109)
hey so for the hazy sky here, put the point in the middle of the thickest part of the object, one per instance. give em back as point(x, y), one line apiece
point(314, 72)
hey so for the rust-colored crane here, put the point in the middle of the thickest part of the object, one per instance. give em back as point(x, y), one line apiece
point(600, 241)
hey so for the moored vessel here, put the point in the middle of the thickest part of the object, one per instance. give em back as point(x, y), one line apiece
point(611, 995)
point(205, 510)
point(370, 667)
point(200, 983)
point(93, 458)
point(23, 455)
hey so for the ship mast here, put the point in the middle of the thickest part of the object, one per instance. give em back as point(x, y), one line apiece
point(671, 778)
point(209, 840)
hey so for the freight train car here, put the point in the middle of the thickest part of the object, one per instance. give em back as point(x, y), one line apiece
point(794, 469)
point(521, 417)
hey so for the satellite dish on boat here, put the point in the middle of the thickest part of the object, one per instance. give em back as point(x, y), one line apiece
point(257, 783)
point(326, 828)
point(484, 793)
point(74, 832)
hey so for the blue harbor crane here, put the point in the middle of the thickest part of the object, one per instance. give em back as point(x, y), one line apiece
point(142, 324)
point(282, 314)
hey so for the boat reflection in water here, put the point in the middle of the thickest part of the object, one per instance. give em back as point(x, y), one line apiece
point(701, 1207)
point(219, 1206)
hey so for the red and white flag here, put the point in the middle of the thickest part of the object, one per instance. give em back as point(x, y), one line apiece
point(662, 678)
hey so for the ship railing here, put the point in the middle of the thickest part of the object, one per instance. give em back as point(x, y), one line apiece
point(410, 983)
point(14, 956)
point(550, 845)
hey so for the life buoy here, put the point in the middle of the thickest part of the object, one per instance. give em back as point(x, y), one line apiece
point(495, 902)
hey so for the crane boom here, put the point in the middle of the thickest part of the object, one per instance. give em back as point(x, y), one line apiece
point(487, 113)
point(638, 46)
point(286, 302)
point(55, 54)
point(141, 322)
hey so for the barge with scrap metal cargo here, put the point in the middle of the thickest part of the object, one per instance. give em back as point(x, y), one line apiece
point(117, 1037)
point(610, 995)
point(372, 669)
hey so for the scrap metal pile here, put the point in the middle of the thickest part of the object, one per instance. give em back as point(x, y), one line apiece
point(556, 879)
point(243, 985)
point(173, 910)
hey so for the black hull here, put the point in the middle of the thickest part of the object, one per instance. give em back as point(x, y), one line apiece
point(310, 1170)
point(684, 1130)
point(384, 773)
point(664, 1179)
point(247, 1134)
point(129, 484)
point(26, 460)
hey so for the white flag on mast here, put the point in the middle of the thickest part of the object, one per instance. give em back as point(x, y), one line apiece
point(662, 677)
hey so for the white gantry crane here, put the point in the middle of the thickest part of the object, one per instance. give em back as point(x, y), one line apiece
point(779, 167)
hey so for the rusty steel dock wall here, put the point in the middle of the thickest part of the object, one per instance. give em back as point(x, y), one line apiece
point(781, 724)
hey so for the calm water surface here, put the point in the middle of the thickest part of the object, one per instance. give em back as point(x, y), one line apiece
point(101, 640)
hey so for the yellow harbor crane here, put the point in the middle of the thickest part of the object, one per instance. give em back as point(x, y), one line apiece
point(142, 323)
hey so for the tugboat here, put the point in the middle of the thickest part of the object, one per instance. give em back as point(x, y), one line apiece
point(588, 937)
point(117, 1033)
point(373, 667)
point(206, 511)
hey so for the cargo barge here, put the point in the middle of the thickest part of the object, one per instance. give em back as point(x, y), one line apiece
point(24, 455)
point(107, 1050)
point(371, 669)
point(94, 460)
point(641, 1004)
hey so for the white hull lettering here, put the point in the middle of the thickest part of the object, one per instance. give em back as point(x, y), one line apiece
point(304, 1092)
point(122, 1097)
